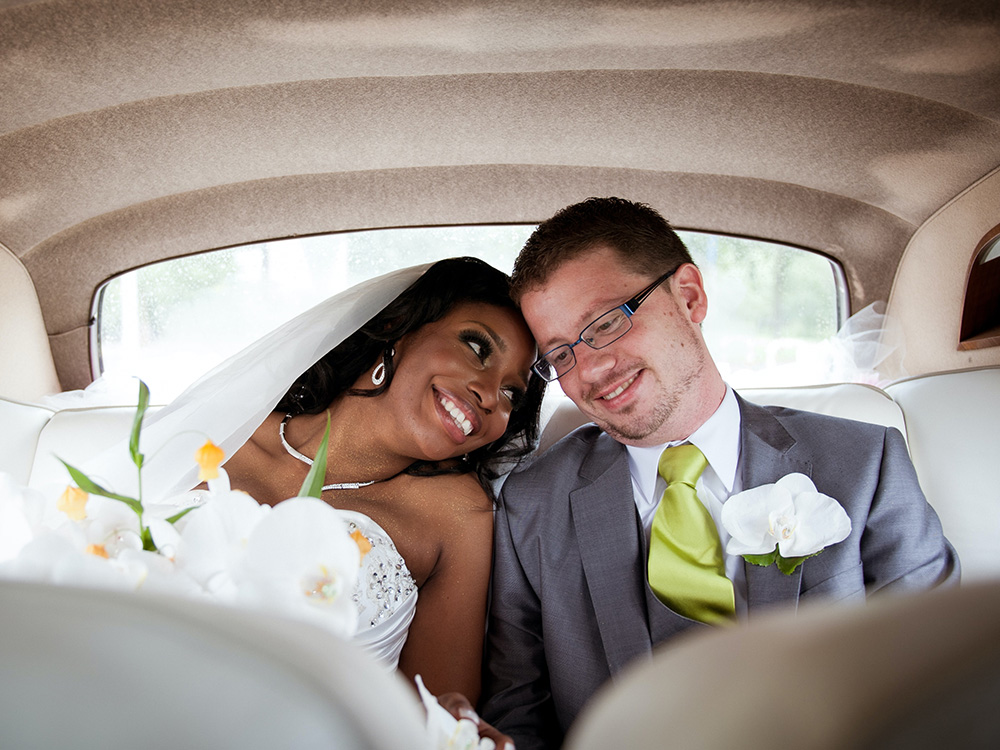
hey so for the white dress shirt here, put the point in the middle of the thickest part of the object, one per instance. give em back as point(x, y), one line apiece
point(719, 439)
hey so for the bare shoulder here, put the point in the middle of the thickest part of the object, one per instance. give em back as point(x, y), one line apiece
point(451, 498)
point(461, 514)
point(438, 523)
point(453, 510)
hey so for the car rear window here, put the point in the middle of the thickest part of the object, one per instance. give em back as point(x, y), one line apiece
point(774, 310)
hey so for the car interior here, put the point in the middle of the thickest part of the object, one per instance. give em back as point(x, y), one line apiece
point(865, 133)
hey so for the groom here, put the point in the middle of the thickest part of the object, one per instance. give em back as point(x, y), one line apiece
point(584, 563)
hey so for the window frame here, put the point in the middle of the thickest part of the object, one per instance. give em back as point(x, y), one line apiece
point(980, 324)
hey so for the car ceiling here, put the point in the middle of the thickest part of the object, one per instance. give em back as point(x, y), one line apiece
point(134, 130)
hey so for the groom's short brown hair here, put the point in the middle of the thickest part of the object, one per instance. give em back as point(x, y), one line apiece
point(645, 241)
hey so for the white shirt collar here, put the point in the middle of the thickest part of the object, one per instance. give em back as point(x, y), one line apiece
point(718, 438)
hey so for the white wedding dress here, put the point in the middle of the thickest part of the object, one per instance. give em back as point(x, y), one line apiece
point(386, 594)
point(232, 400)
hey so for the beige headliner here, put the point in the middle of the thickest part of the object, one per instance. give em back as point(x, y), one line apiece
point(132, 130)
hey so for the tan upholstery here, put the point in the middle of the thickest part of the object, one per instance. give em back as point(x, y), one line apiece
point(98, 669)
point(132, 132)
point(916, 672)
point(931, 331)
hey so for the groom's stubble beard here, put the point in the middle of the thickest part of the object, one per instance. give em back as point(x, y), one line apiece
point(639, 421)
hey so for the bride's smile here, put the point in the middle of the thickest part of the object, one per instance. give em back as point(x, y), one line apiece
point(457, 380)
point(461, 414)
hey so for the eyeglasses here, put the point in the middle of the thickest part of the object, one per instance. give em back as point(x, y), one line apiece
point(603, 331)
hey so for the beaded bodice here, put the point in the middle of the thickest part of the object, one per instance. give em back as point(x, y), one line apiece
point(386, 593)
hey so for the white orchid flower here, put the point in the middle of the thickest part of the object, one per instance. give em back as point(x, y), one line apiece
point(157, 574)
point(59, 558)
point(165, 536)
point(221, 544)
point(213, 540)
point(785, 522)
point(81, 540)
point(301, 560)
point(110, 525)
point(25, 514)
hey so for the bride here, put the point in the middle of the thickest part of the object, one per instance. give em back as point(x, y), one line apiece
point(424, 375)
point(426, 401)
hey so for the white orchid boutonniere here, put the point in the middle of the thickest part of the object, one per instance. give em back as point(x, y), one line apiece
point(783, 523)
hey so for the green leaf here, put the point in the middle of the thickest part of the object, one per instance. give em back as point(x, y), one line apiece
point(87, 485)
point(147, 540)
point(313, 485)
point(178, 516)
point(133, 444)
point(787, 565)
point(762, 560)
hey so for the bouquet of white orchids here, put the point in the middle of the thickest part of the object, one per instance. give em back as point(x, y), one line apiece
point(296, 558)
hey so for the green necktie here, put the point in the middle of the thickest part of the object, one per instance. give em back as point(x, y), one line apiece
point(686, 567)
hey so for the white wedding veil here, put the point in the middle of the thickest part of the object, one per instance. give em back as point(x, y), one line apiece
point(229, 402)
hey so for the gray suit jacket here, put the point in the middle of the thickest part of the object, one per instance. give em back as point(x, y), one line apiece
point(569, 601)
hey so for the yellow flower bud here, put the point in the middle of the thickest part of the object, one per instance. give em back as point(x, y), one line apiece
point(73, 502)
point(208, 458)
point(362, 541)
point(97, 550)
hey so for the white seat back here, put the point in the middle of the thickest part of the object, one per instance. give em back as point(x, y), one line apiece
point(953, 423)
point(20, 427)
point(86, 668)
point(914, 672)
point(849, 400)
point(76, 436)
point(864, 403)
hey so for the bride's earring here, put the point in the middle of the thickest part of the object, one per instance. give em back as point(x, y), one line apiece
point(378, 374)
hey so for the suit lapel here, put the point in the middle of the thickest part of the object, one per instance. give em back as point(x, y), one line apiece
point(604, 517)
point(767, 455)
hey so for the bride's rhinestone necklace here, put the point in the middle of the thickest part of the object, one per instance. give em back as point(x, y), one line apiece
point(306, 460)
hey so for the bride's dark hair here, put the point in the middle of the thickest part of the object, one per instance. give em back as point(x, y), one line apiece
point(443, 286)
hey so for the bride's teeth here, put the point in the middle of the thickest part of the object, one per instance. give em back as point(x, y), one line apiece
point(460, 419)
